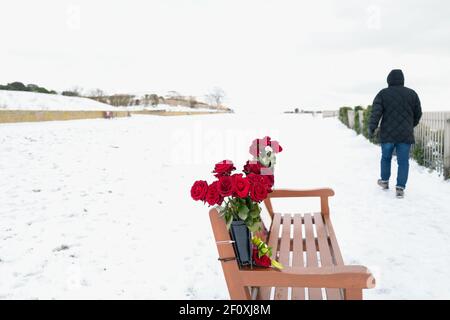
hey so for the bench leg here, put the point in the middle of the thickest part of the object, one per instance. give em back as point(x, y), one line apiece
point(239, 292)
point(353, 294)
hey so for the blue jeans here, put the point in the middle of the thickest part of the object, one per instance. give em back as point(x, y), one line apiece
point(402, 150)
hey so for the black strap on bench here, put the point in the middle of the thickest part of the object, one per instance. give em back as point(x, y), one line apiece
point(225, 242)
point(227, 259)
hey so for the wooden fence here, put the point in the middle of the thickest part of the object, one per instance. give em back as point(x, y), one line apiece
point(432, 136)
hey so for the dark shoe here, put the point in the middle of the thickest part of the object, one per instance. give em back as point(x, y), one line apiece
point(383, 184)
point(399, 192)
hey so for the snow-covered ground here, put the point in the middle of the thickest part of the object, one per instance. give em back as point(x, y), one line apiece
point(166, 107)
point(101, 208)
point(21, 100)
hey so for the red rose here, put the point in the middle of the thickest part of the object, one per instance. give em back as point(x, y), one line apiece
point(276, 146)
point(213, 195)
point(256, 178)
point(225, 186)
point(258, 146)
point(223, 168)
point(268, 176)
point(252, 167)
point(270, 179)
point(263, 261)
point(266, 141)
point(241, 185)
point(258, 191)
point(199, 189)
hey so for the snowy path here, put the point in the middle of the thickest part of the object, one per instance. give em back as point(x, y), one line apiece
point(95, 208)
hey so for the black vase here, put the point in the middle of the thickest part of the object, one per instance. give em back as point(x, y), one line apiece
point(241, 236)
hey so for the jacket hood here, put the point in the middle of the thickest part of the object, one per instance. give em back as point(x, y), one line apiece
point(396, 78)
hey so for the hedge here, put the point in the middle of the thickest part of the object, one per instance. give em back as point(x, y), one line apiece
point(343, 115)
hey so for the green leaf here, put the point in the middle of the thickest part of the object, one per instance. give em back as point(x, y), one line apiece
point(253, 227)
point(243, 212)
point(228, 219)
point(276, 264)
point(254, 213)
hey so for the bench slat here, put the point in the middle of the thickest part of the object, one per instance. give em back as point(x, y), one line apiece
point(297, 256)
point(333, 242)
point(264, 292)
point(304, 244)
point(311, 255)
point(281, 293)
point(325, 253)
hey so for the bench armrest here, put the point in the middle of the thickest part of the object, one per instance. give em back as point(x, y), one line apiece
point(349, 277)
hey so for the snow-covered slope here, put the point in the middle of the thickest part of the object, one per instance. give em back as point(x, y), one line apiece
point(102, 209)
point(21, 100)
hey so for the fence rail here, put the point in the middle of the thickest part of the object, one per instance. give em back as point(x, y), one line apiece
point(432, 136)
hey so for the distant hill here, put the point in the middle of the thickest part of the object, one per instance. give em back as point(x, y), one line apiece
point(19, 86)
point(21, 100)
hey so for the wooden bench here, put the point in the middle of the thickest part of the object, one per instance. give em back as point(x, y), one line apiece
point(313, 264)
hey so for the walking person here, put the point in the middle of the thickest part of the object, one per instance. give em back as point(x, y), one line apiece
point(399, 110)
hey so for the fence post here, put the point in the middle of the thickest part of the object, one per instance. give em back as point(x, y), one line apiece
point(351, 118)
point(447, 150)
point(361, 121)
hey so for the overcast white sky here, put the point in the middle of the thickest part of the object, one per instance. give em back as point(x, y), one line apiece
point(264, 54)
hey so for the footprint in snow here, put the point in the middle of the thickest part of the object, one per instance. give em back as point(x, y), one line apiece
point(200, 243)
point(353, 261)
point(61, 248)
point(384, 291)
point(190, 292)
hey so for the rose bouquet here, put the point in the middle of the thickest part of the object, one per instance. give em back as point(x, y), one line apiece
point(238, 195)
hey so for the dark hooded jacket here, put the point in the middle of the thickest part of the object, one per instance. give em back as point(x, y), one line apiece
point(399, 109)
